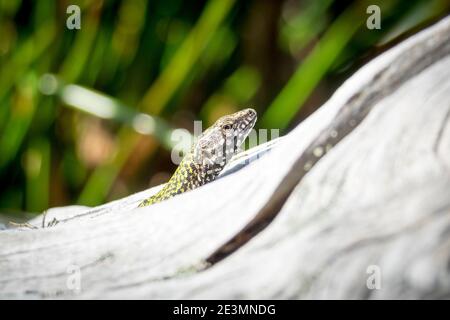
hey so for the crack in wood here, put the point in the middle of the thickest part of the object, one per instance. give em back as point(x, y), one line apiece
point(421, 54)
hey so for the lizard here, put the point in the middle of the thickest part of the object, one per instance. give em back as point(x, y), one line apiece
point(209, 154)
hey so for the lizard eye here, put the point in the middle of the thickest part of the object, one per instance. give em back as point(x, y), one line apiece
point(226, 126)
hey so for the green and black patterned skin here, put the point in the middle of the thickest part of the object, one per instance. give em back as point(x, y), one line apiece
point(208, 156)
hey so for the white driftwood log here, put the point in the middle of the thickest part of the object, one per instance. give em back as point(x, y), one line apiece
point(363, 184)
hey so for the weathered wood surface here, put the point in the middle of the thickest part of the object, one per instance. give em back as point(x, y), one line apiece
point(379, 196)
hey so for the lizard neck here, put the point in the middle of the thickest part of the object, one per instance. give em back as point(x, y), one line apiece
point(188, 176)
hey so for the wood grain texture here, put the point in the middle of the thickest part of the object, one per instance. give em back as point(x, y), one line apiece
point(379, 196)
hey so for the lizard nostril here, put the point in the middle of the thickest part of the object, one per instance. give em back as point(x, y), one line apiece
point(251, 112)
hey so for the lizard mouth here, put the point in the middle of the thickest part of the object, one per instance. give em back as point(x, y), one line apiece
point(249, 119)
point(250, 123)
point(244, 131)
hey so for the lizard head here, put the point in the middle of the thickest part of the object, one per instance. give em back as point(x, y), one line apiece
point(217, 145)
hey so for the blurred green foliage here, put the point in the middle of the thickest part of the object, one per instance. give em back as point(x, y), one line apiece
point(86, 115)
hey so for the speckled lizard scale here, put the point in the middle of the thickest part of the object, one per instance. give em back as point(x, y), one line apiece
point(208, 156)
